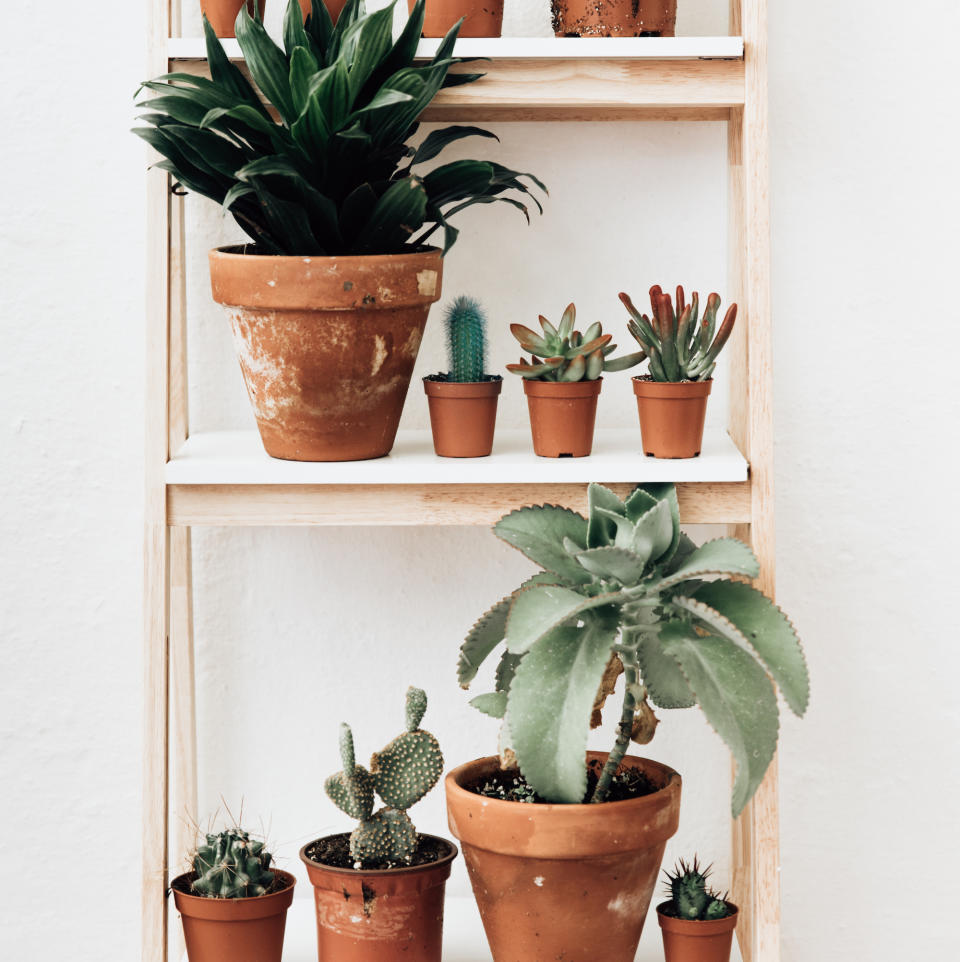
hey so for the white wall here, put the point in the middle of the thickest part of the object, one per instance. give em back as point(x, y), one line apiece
point(297, 629)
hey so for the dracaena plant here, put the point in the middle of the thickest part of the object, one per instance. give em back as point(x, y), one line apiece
point(334, 172)
point(624, 590)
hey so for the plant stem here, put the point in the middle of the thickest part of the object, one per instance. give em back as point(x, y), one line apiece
point(623, 736)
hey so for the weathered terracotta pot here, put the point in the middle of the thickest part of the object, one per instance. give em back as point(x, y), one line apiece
point(463, 416)
point(570, 882)
point(222, 14)
point(484, 18)
point(241, 930)
point(562, 416)
point(672, 415)
point(614, 18)
point(327, 345)
point(690, 941)
point(393, 915)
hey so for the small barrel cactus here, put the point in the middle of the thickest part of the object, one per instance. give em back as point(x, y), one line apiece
point(466, 327)
point(692, 898)
point(231, 865)
point(566, 354)
point(401, 774)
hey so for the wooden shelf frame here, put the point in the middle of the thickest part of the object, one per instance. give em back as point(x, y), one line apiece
point(652, 80)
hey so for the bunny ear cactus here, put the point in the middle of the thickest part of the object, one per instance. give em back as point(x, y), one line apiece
point(401, 774)
point(625, 583)
point(466, 340)
point(680, 345)
point(691, 897)
point(565, 353)
point(231, 865)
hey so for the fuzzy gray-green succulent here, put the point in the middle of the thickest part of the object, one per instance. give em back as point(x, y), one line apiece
point(401, 774)
point(231, 865)
point(625, 590)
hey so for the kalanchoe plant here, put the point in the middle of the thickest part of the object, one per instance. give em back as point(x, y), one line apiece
point(334, 174)
point(624, 590)
point(401, 774)
point(566, 354)
point(466, 327)
point(680, 345)
point(231, 865)
point(690, 896)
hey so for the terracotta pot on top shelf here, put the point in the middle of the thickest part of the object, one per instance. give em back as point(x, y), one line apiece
point(241, 930)
point(484, 18)
point(463, 416)
point(689, 940)
point(222, 14)
point(672, 415)
point(562, 416)
point(614, 18)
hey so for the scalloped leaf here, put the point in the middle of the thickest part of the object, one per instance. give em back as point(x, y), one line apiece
point(638, 503)
point(492, 703)
point(666, 492)
point(537, 611)
point(600, 529)
point(538, 533)
point(654, 533)
point(612, 562)
point(482, 638)
point(661, 673)
point(722, 556)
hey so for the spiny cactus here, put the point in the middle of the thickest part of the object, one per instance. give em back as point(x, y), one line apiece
point(401, 774)
point(692, 898)
point(678, 349)
point(232, 865)
point(567, 354)
point(466, 327)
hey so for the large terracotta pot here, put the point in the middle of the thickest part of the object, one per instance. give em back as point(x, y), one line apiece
point(614, 18)
point(686, 940)
point(463, 416)
point(562, 416)
point(241, 930)
point(392, 915)
point(326, 345)
point(570, 882)
point(222, 14)
point(672, 415)
point(484, 18)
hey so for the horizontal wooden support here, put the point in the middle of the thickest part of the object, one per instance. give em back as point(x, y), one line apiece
point(418, 504)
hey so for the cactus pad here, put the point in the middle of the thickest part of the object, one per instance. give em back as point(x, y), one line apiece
point(407, 768)
point(388, 836)
point(352, 794)
point(231, 865)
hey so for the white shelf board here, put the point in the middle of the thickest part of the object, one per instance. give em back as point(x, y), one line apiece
point(237, 458)
point(534, 48)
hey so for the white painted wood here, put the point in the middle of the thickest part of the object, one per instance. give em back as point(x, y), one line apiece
point(535, 48)
point(237, 457)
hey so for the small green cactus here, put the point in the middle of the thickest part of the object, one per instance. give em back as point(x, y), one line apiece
point(690, 895)
point(568, 355)
point(466, 327)
point(677, 348)
point(231, 865)
point(401, 774)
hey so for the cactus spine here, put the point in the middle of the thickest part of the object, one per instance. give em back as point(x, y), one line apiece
point(692, 898)
point(466, 327)
point(401, 774)
point(231, 865)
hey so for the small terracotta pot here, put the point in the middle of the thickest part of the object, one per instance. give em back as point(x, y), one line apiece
point(241, 930)
point(614, 18)
point(691, 941)
point(463, 416)
point(544, 875)
point(562, 416)
point(484, 18)
point(222, 14)
point(672, 416)
point(393, 915)
point(326, 345)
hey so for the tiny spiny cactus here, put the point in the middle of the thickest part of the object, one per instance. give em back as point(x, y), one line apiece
point(678, 349)
point(692, 898)
point(401, 774)
point(568, 355)
point(466, 327)
point(231, 865)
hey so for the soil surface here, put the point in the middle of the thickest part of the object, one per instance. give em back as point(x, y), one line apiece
point(182, 884)
point(511, 786)
point(444, 378)
point(648, 377)
point(334, 850)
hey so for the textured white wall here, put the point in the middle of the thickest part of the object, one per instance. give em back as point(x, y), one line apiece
point(297, 629)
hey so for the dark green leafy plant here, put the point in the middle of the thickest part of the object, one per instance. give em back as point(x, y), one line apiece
point(231, 865)
point(690, 896)
point(334, 174)
point(625, 591)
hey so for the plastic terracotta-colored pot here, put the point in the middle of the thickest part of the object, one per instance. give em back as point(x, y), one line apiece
point(484, 18)
point(326, 345)
point(222, 14)
point(562, 416)
point(545, 875)
point(614, 18)
point(685, 940)
point(463, 416)
point(672, 416)
point(393, 915)
point(241, 930)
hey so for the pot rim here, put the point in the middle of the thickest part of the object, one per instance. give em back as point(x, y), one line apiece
point(462, 390)
point(230, 251)
point(704, 927)
point(380, 872)
point(288, 877)
point(643, 387)
point(578, 389)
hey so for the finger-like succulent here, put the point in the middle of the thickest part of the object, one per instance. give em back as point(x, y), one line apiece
point(466, 327)
point(690, 895)
point(231, 865)
point(401, 774)
point(681, 346)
